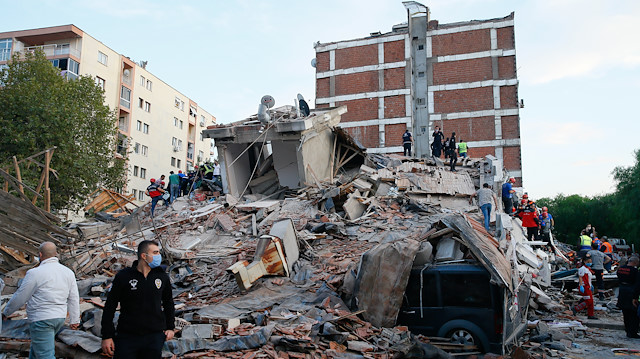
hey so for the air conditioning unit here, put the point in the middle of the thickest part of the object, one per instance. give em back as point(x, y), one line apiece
point(176, 148)
point(201, 123)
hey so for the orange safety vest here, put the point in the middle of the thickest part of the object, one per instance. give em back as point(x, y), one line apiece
point(608, 247)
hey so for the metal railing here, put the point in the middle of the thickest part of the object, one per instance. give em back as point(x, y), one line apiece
point(55, 50)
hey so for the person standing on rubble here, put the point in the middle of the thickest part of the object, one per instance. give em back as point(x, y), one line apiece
point(446, 148)
point(486, 198)
point(607, 249)
point(462, 148)
point(453, 159)
point(407, 142)
point(628, 293)
point(529, 217)
point(50, 291)
point(154, 191)
point(507, 195)
point(438, 136)
point(147, 313)
point(584, 286)
point(585, 243)
point(545, 226)
point(174, 186)
point(598, 259)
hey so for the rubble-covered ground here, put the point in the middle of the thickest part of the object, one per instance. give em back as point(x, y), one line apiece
point(303, 306)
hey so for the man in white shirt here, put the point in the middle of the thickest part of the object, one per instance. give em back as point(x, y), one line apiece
point(50, 291)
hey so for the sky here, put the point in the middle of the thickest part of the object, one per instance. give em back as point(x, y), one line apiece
point(578, 63)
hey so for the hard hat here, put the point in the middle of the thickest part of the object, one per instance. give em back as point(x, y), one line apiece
point(512, 180)
point(545, 209)
point(152, 180)
point(525, 196)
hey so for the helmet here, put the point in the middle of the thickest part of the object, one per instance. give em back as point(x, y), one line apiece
point(512, 180)
point(525, 196)
point(162, 183)
point(545, 209)
point(152, 180)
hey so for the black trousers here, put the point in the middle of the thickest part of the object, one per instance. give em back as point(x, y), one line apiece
point(532, 233)
point(508, 205)
point(147, 346)
point(437, 151)
point(631, 321)
point(407, 148)
point(599, 282)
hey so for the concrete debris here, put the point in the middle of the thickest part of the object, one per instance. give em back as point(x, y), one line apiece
point(330, 258)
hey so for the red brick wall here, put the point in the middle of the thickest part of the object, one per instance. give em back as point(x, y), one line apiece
point(322, 87)
point(510, 127)
point(322, 105)
point(508, 97)
point(506, 38)
point(367, 135)
point(462, 71)
point(393, 134)
point(480, 152)
point(356, 83)
point(474, 99)
point(511, 157)
point(507, 67)
point(360, 110)
point(471, 129)
point(394, 51)
point(461, 42)
point(394, 78)
point(357, 56)
point(394, 106)
point(322, 61)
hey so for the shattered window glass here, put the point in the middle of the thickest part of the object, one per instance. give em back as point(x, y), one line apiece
point(466, 290)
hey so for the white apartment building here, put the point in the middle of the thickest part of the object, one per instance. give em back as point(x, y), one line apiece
point(159, 126)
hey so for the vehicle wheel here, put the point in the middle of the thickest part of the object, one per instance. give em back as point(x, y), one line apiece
point(463, 336)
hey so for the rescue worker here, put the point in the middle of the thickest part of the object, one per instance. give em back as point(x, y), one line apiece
point(507, 195)
point(207, 170)
point(607, 249)
point(628, 295)
point(529, 216)
point(545, 226)
point(598, 259)
point(553, 223)
point(462, 148)
point(584, 286)
point(154, 191)
point(585, 243)
point(407, 141)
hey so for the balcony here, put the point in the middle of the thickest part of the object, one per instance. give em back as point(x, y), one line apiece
point(190, 151)
point(55, 50)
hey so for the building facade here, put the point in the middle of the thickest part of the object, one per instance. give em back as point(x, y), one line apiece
point(461, 77)
point(158, 126)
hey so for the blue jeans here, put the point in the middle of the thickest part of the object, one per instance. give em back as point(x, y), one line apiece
point(486, 212)
point(154, 201)
point(43, 334)
point(174, 188)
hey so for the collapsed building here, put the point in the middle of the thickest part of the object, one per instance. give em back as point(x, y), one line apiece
point(353, 255)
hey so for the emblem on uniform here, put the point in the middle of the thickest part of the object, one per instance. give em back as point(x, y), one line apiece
point(158, 283)
point(134, 283)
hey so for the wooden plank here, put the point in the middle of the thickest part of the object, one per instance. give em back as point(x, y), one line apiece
point(16, 167)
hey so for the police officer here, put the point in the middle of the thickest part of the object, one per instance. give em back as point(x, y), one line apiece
point(585, 243)
point(628, 295)
point(407, 141)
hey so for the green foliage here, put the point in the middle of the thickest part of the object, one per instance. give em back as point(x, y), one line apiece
point(40, 109)
point(616, 215)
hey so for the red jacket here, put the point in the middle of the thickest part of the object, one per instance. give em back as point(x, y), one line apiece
point(529, 219)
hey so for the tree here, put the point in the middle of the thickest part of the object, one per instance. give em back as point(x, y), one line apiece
point(627, 205)
point(39, 109)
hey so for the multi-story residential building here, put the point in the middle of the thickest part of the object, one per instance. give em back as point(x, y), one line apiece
point(159, 126)
point(460, 76)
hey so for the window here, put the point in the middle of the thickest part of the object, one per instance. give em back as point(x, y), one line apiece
point(135, 171)
point(147, 106)
point(5, 49)
point(74, 67)
point(123, 124)
point(122, 145)
point(134, 193)
point(142, 80)
point(181, 123)
point(145, 150)
point(200, 156)
point(143, 172)
point(179, 104)
point(136, 148)
point(466, 290)
point(100, 82)
point(125, 97)
point(102, 58)
point(178, 163)
point(145, 128)
point(141, 195)
point(149, 85)
point(180, 143)
point(139, 125)
point(175, 121)
point(429, 290)
point(173, 161)
point(201, 137)
point(140, 102)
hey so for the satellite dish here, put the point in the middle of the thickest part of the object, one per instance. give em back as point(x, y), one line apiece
point(313, 62)
point(268, 101)
point(127, 73)
point(304, 107)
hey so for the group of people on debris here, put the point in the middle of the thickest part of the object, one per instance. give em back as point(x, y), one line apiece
point(142, 291)
point(538, 221)
point(181, 184)
point(439, 146)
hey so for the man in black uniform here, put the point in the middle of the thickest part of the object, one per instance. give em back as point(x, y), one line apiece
point(146, 308)
point(407, 141)
point(437, 142)
point(628, 295)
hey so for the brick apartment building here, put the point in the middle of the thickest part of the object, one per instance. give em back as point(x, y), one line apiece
point(460, 76)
